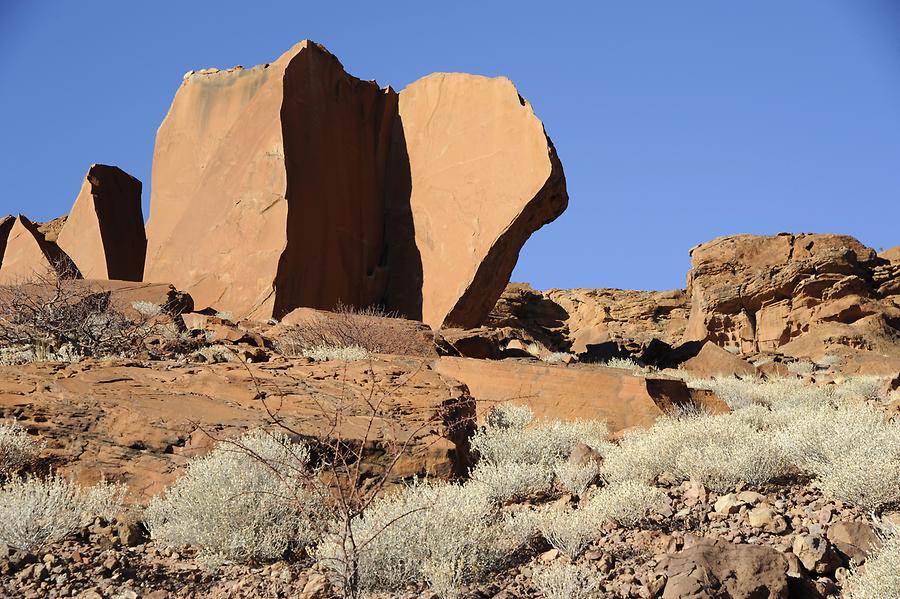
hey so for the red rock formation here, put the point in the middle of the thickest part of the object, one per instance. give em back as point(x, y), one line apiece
point(891, 255)
point(569, 393)
point(26, 254)
point(714, 361)
point(268, 187)
point(801, 295)
point(482, 176)
point(104, 232)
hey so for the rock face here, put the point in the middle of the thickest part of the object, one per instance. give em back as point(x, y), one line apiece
point(553, 392)
point(482, 176)
point(104, 232)
point(268, 186)
point(572, 319)
point(26, 254)
point(293, 184)
point(796, 294)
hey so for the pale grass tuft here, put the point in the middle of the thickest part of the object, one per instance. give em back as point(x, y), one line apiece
point(576, 478)
point(18, 449)
point(325, 353)
point(35, 512)
point(879, 577)
point(569, 531)
point(148, 309)
point(253, 498)
point(567, 581)
point(627, 503)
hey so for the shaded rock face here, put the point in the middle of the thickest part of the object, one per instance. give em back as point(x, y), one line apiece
point(104, 232)
point(27, 254)
point(482, 177)
point(294, 184)
point(795, 294)
point(268, 187)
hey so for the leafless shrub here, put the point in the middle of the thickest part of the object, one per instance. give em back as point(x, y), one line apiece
point(576, 478)
point(18, 449)
point(568, 530)
point(325, 353)
point(37, 511)
point(627, 502)
point(372, 329)
point(247, 499)
point(51, 315)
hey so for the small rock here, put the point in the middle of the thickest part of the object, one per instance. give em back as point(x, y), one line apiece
point(815, 553)
point(727, 504)
point(549, 556)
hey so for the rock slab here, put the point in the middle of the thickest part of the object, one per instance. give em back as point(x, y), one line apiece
point(27, 255)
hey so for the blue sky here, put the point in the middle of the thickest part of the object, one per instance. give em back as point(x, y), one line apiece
point(676, 121)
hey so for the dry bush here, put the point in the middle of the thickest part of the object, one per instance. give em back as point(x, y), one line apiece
point(569, 531)
point(719, 451)
point(325, 353)
point(374, 330)
point(626, 502)
point(576, 478)
point(18, 449)
point(567, 581)
point(38, 511)
point(517, 456)
point(252, 498)
point(623, 363)
point(50, 317)
point(444, 534)
point(879, 577)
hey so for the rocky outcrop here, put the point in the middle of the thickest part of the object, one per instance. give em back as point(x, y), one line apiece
point(311, 188)
point(268, 186)
point(802, 295)
point(104, 232)
point(481, 177)
point(28, 255)
point(553, 392)
point(891, 255)
point(573, 319)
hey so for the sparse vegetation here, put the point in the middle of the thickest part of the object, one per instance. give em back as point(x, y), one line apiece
point(37, 511)
point(325, 353)
point(253, 498)
point(18, 449)
point(566, 581)
point(148, 309)
point(879, 577)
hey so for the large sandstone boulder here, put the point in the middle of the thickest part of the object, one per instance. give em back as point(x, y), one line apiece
point(481, 176)
point(891, 255)
point(104, 232)
point(268, 186)
point(718, 569)
point(27, 255)
point(553, 392)
point(803, 295)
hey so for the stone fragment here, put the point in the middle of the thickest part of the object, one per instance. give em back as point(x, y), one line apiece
point(104, 232)
point(728, 504)
point(713, 361)
point(714, 568)
point(856, 540)
point(815, 553)
point(765, 518)
point(480, 176)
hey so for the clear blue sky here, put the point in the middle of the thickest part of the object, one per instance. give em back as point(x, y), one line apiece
point(676, 121)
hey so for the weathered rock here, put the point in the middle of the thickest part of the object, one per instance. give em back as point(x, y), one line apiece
point(268, 187)
point(801, 295)
point(27, 255)
point(104, 232)
point(891, 255)
point(481, 176)
point(567, 393)
point(815, 553)
point(714, 361)
point(856, 540)
point(713, 569)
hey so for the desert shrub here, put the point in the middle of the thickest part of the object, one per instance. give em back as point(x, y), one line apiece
point(18, 449)
point(566, 581)
point(626, 502)
point(568, 530)
point(50, 316)
point(249, 499)
point(447, 535)
point(37, 511)
point(325, 353)
point(148, 309)
point(719, 451)
point(801, 367)
point(576, 478)
point(517, 456)
point(375, 330)
point(623, 363)
point(557, 357)
point(879, 577)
